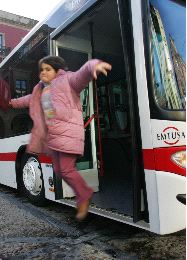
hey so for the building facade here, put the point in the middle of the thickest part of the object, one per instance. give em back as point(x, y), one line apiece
point(12, 29)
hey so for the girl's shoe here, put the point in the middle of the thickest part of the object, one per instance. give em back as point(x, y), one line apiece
point(82, 210)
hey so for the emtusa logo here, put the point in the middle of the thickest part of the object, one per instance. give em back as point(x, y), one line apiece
point(171, 135)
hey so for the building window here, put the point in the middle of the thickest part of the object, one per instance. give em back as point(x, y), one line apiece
point(21, 86)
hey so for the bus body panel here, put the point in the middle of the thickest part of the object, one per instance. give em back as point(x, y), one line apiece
point(155, 134)
point(152, 200)
point(142, 92)
point(47, 169)
point(166, 213)
point(8, 176)
point(172, 212)
point(8, 150)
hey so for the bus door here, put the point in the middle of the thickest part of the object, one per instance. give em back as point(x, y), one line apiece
point(122, 184)
point(76, 51)
point(121, 188)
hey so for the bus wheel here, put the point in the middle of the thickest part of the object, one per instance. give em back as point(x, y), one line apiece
point(32, 180)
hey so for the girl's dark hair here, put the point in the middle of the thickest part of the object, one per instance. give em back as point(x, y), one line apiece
point(55, 62)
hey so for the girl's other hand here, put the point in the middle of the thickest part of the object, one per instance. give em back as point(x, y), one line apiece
point(102, 67)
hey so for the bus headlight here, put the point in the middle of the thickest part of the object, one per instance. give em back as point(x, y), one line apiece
point(179, 158)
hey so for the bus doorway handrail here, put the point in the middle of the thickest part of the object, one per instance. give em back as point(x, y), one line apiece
point(101, 171)
point(89, 121)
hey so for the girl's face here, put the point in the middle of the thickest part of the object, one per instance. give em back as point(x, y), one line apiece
point(47, 73)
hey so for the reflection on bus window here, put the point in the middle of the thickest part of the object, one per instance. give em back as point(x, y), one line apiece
point(168, 54)
point(21, 86)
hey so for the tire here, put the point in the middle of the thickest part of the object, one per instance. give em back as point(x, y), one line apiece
point(31, 179)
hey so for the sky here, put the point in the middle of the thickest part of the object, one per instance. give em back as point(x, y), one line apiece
point(35, 9)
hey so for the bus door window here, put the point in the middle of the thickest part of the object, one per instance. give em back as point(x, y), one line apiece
point(75, 59)
point(113, 107)
point(104, 109)
point(120, 105)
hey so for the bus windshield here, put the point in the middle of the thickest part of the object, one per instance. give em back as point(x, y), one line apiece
point(168, 38)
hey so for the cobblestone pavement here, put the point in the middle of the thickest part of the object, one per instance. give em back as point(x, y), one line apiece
point(29, 232)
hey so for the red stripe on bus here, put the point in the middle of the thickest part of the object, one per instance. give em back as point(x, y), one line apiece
point(159, 159)
point(149, 159)
point(11, 157)
point(8, 157)
point(45, 159)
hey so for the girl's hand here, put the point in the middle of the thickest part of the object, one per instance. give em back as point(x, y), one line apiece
point(10, 104)
point(102, 67)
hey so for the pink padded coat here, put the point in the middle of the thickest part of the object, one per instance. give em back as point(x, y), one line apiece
point(66, 134)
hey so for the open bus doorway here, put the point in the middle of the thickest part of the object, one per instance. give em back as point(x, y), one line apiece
point(115, 186)
point(98, 33)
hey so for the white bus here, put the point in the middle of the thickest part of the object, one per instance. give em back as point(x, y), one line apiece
point(134, 119)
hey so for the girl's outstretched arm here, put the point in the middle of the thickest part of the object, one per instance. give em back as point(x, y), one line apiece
point(21, 102)
point(79, 80)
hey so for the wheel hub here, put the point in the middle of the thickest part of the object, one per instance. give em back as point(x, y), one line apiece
point(32, 176)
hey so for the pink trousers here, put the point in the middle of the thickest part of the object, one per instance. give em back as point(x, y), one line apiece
point(64, 165)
